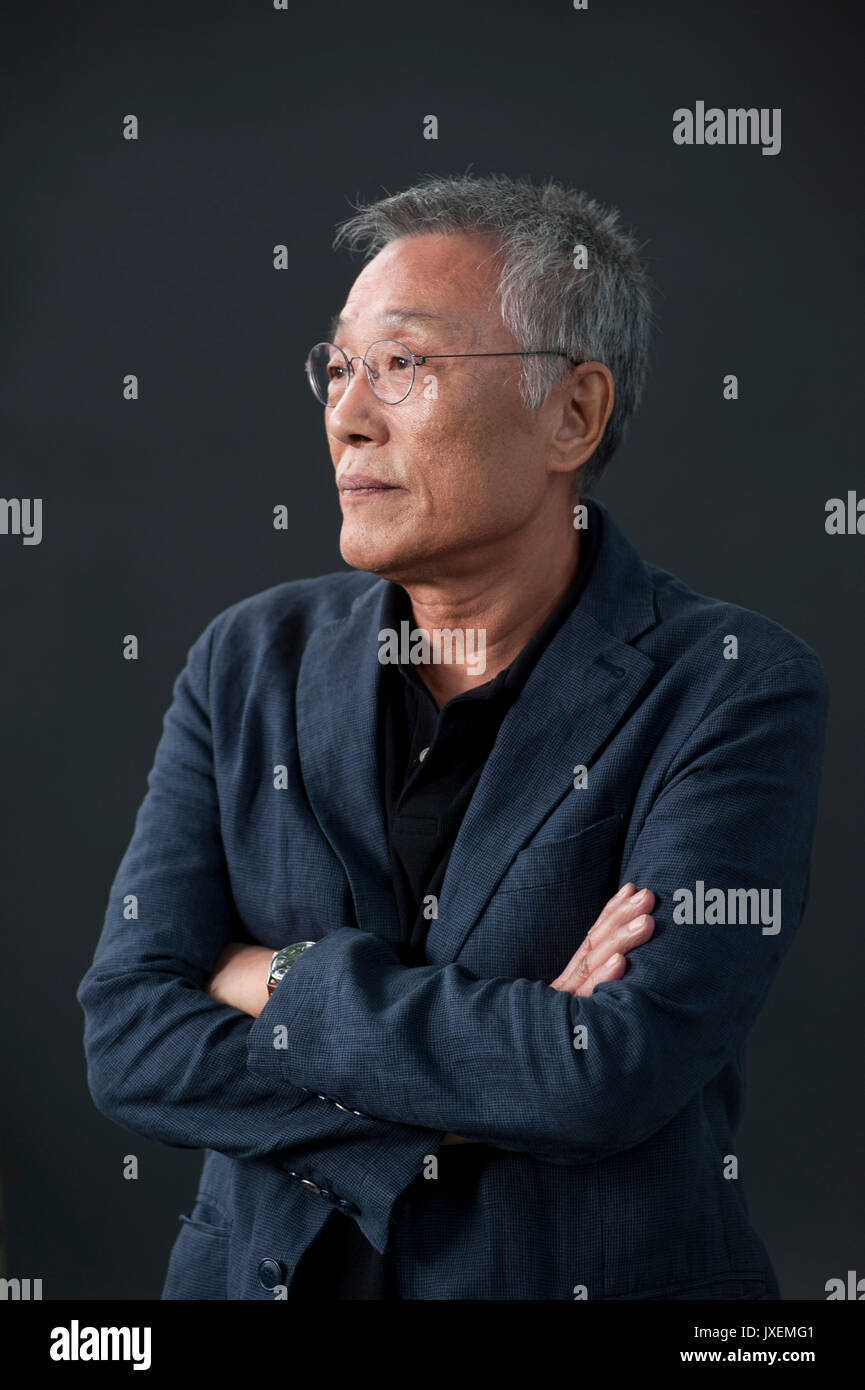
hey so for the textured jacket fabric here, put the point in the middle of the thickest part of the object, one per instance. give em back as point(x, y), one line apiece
point(609, 1171)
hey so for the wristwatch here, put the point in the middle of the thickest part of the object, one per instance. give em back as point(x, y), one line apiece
point(282, 961)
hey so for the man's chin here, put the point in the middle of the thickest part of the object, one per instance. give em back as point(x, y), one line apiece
point(378, 553)
point(378, 559)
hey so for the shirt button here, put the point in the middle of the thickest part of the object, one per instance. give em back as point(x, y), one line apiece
point(422, 754)
point(310, 1186)
point(271, 1273)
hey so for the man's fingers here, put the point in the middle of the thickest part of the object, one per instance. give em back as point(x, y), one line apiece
point(612, 969)
point(626, 891)
point(589, 966)
point(628, 934)
point(609, 933)
point(618, 910)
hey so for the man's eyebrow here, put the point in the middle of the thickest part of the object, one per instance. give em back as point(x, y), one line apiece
point(397, 314)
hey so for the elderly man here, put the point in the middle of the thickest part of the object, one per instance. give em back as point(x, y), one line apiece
point(365, 947)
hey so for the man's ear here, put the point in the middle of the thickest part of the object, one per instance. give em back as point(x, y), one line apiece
point(586, 404)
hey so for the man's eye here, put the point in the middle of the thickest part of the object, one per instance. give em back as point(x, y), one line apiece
point(399, 364)
point(335, 372)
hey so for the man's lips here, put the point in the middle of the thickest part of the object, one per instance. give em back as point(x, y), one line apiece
point(359, 484)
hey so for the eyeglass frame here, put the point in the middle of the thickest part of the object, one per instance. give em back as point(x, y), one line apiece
point(418, 360)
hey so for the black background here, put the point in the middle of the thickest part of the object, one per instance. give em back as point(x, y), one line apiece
point(154, 257)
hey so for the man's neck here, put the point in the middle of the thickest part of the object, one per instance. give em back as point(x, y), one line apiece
point(497, 613)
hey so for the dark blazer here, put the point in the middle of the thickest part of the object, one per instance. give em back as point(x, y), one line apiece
point(610, 1171)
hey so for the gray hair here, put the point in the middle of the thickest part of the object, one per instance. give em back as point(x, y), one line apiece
point(602, 313)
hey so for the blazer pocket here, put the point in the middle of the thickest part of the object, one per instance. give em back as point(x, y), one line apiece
point(588, 854)
point(198, 1267)
point(208, 1215)
point(220, 1232)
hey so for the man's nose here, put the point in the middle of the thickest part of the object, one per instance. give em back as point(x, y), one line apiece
point(358, 410)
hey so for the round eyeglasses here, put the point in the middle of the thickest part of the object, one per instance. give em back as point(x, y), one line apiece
point(390, 368)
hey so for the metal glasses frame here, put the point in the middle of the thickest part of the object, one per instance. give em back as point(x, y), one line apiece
point(418, 360)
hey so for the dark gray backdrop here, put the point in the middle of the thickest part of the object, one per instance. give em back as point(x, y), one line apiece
point(155, 257)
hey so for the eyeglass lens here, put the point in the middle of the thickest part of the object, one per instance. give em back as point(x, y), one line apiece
point(389, 370)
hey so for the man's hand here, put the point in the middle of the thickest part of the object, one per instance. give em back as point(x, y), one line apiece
point(240, 977)
point(623, 924)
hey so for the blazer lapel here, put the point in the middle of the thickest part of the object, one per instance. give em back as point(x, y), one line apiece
point(337, 726)
point(569, 707)
point(572, 702)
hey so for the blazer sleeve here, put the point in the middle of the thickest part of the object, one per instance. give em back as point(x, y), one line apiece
point(494, 1059)
point(164, 1059)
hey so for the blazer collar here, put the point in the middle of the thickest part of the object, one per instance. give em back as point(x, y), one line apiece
point(570, 704)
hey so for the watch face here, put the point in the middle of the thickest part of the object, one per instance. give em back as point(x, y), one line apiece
point(284, 960)
point(289, 954)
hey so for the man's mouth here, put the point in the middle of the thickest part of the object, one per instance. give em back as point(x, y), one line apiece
point(360, 485)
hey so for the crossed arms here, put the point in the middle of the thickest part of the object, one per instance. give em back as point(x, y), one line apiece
point(241, 971)
point(405, 1046)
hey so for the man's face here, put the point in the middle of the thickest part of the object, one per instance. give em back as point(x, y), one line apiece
point(460, 465)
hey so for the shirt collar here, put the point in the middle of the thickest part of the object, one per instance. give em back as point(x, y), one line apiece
point(396, 609)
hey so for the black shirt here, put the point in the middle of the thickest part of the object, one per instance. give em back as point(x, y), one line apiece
point(430, 761)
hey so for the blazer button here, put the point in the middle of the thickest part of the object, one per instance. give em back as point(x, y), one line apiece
point(271, 1273)
point(345, 1205)
point(311, 1186)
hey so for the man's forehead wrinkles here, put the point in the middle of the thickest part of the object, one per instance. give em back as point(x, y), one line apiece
point(397, 314)
point(400, 314)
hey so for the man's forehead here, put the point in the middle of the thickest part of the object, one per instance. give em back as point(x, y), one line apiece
point(430, 281)
point(398, 316)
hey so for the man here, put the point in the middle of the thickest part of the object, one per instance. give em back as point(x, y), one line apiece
point(428, 779)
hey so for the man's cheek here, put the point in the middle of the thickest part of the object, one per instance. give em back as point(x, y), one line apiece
point(453, 434)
